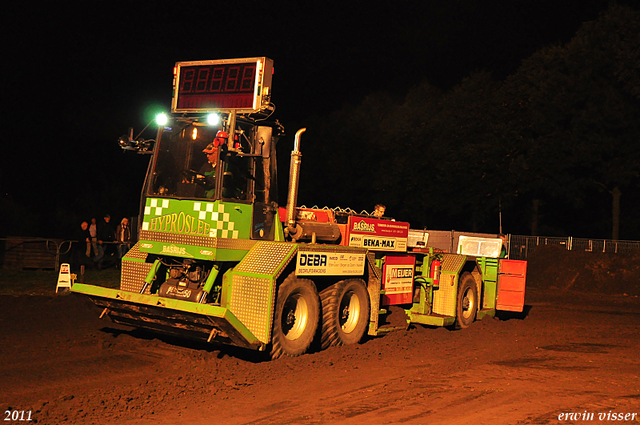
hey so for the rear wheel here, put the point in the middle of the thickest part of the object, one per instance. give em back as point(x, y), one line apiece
point(467, 301)
point(345, 313)
point(296, 317)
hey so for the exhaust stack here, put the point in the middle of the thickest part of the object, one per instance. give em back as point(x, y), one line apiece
point(294, 179)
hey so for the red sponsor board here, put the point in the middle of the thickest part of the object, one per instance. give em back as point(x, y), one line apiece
point(378, 235)
point(377, 227)
point(397, 278)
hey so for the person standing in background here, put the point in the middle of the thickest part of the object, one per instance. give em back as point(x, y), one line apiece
point(81, 245)
point(379, 210)
point(123, 238)
point(106, 235)
point(93, 235)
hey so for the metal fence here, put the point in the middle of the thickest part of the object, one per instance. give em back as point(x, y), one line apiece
point(32, 253)
point(521, 246)
point(21, 252)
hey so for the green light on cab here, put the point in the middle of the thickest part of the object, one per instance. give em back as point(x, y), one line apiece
point(162, 119)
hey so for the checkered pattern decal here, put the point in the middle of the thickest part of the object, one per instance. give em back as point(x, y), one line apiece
point(155, 208)
point(223, 228)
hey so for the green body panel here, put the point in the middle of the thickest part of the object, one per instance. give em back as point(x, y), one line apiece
point(215, 231)
point(489, 270)
point(185, 318)
point(278, 234)
point(436, 306)
point(432, 320)
point(485, 313)
point(421, 309)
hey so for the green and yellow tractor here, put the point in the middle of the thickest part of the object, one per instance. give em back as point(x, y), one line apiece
point(218, 260)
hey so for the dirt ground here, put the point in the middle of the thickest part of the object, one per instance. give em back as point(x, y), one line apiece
point(574, 351)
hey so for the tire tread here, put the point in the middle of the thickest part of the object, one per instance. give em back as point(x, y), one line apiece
point(329, 298)
point(277, 346)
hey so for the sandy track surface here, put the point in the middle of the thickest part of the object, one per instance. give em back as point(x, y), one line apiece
point(570, 353)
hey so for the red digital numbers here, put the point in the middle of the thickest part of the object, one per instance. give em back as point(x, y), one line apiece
point(186, 83)
point(248, 77)
point(203, 78)
point(232, 78)
point(216, 80)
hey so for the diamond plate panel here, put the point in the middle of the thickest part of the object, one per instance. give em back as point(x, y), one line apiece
point(133, 276)
point(251, 302)
point(209, 242)
point(134, 273)
point(267, 258)
point(135, 253)
point(444, 299)
point(453, 262)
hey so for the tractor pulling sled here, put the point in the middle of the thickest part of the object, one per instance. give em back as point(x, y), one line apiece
point(218, 260)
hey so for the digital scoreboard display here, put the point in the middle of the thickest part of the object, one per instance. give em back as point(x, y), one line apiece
point(243, 85)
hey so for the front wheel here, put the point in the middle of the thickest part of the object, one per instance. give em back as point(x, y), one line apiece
point(345, 313)
point(467, 301)
point(296, 317)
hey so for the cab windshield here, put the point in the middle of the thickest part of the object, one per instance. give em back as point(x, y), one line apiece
point(186, 165)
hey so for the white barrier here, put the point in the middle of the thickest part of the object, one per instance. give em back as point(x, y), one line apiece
point(65, 278)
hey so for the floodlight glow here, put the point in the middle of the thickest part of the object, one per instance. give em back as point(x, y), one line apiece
point(162, 119)
point(213, 119)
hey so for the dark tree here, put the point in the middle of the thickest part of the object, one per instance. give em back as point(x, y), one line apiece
point(576, 111)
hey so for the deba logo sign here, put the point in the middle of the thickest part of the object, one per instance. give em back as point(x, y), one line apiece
point(312, 260)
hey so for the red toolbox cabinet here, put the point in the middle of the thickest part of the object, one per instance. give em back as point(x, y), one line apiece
point(512, 280)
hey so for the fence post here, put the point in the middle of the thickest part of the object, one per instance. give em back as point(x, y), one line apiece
point(451, 238)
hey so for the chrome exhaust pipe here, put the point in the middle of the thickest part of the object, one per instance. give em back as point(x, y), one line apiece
point(294, 180)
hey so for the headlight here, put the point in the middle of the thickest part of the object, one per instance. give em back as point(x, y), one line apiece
point(213, 119)
point(162, 119)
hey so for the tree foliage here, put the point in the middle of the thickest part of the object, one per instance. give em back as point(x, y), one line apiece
point(562, 128)
point(578, 111)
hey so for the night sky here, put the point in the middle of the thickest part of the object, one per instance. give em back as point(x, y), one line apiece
point(78, 75)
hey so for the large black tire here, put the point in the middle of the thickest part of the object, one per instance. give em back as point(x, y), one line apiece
point(467, 305)
point(296, 317)
point(345, 313)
